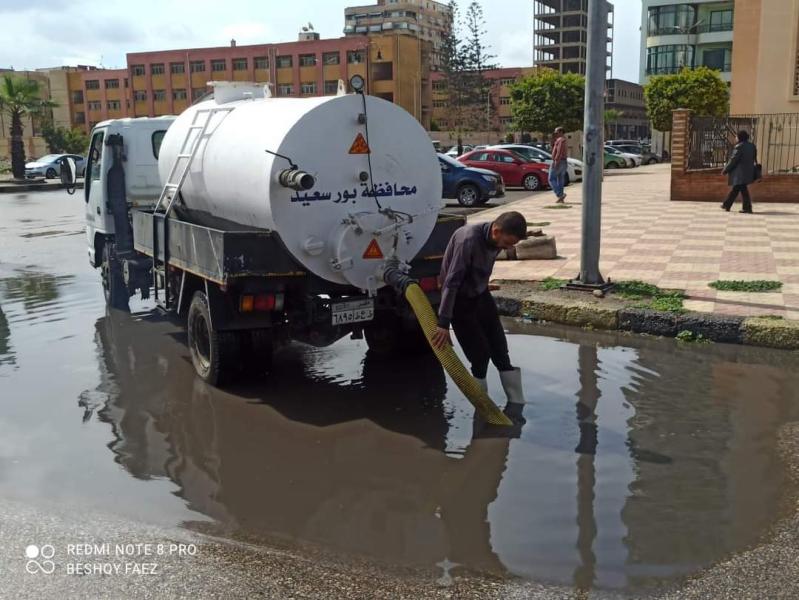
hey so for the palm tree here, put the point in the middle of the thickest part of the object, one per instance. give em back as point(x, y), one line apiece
point(612, 116)
point(20, 97)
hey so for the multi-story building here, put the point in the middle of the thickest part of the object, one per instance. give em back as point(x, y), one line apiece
point(499, 118)
point(561, 36)
point(396, 68)
point(627, 98)
point(425, 19)
point(766, 61)
point(678, 34)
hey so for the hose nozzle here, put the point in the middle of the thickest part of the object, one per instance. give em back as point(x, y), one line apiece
point(296, 179)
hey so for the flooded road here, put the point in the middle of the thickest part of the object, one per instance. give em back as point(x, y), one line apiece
point(636, 461)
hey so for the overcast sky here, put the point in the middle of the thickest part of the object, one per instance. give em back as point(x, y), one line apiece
point(46, 33)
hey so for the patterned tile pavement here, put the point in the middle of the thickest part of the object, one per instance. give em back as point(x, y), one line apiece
point(683, 245)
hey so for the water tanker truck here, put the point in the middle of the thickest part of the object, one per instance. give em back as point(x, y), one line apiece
point(262, 220)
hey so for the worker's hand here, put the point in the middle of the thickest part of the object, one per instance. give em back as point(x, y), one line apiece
point(441, 338)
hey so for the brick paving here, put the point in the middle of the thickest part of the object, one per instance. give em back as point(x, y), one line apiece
point(683, 245)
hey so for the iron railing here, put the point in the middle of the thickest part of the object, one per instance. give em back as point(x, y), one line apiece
point(711, 140)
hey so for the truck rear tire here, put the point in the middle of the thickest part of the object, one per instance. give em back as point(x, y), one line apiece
point(114, 288)
point(213, 353)
point(391, 336)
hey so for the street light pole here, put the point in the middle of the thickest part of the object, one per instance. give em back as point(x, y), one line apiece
point(593, 152)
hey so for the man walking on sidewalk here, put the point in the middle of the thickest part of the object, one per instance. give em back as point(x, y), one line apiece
point(559, 166)
point(467, 304)
point(741, 172)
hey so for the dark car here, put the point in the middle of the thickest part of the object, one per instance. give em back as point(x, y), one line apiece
point(471, 187)
point(514, 168)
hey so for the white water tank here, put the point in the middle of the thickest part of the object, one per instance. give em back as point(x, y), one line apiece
point(336, 229)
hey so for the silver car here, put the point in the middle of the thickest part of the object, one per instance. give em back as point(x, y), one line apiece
point(49, 166)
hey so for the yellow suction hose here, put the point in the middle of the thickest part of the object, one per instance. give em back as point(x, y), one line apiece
point(450, 361)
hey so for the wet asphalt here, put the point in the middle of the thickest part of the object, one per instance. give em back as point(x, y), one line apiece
point(636, 465)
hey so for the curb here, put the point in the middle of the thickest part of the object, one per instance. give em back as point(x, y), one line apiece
point(750, 331)
point(15, 188)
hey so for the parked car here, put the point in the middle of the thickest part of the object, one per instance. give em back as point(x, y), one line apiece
point(647, 156)
point(574, 170)
point(615, 161)
point(470, 186)
point(49, 166)
point(630, 160)
point(453, 152)
point(515, 169)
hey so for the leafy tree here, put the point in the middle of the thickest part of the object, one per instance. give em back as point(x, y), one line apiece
point(464, 61)
point(20, 97)
point(548, 99)
point(62, 140)
point(701, 89)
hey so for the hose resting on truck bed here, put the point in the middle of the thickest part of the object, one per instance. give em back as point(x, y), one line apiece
point(449, 360)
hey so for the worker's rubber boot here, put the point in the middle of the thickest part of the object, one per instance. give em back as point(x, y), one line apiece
point(512, 384)
point(483, 384)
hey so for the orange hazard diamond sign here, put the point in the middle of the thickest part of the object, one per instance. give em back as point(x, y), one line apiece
point(373, 250)
point(359, 146)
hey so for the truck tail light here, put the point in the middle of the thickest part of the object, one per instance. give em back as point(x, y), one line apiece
point(429, 284)
point(260, 302)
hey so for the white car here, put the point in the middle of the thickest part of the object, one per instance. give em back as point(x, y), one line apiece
point(632, 160)
point(49, 166)
point(453, 152)
point(574, 167)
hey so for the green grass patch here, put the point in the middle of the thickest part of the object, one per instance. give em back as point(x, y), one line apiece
point(761, 285)
point(691, 337)
point(551, 283)
point(539, 224)
point(558, 206)
point(651, 296)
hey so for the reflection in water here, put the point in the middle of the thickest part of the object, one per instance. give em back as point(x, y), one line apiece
point(355, 463)
point(6, 355)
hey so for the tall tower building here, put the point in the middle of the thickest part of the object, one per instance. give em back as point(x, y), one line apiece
point(561, 35)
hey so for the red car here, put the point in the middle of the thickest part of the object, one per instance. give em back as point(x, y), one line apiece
point(514, 168)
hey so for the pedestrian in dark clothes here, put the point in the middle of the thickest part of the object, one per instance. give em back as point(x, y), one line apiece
point(740, 171)
point(467, 304)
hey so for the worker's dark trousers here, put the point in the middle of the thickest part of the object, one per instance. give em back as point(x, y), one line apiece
point(744, 191)
point(480, 334)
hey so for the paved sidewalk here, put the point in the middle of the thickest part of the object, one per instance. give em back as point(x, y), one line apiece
point(682, 245)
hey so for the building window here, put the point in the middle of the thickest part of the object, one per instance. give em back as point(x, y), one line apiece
point(331, 87)
point(139, 96)
point(179, 94)
point(113, 105)
point(239, 64)
point(94, 105)
point(261, 63)
point(159, 95)
point(331, 58)
point(284, 89)
point(177, 68)
point(157, 69)
point(307, 60)
point(718, 58)
point(507, 81)
point(284, 62)
point(356, 57)
point(126, 83)
point(383, 71)
point(721, 20)
point(672, 19)
point(440, 103)
point(77, 97)
point(308, 88)
point(80, 118)
point(197, 66)
point(218, 64)
point(112, 84)
point(668, 59)
point(92, 84)
point(137, 70)
point(197, 93)
point(504, 100)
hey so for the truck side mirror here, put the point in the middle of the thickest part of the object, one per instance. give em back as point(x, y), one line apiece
point(69, 171)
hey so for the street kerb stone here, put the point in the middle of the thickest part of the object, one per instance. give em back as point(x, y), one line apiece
point(771, 333)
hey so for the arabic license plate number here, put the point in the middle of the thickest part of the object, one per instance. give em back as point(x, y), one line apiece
point(353, 311)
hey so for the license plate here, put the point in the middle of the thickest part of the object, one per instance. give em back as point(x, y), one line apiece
point(353, 311)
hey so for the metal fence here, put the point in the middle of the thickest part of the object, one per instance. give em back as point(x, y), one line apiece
point(711, 140)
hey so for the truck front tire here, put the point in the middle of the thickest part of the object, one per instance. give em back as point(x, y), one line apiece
point(213, 352)
point(114, 288)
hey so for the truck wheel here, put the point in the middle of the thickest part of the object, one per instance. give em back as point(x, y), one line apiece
point(469, 195)
point(212, 352)
point(114, 288)
point(531, 183)
point(392, 337)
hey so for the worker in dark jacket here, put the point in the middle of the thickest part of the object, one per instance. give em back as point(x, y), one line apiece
point(467, 304)
point(741, 172)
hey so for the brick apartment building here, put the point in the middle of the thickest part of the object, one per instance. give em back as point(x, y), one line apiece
point(396, 68)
